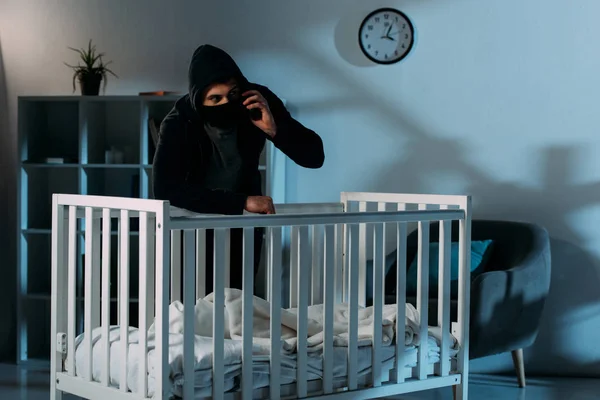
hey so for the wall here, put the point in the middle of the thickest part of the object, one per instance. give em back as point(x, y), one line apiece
point(497, 100)
point(7, 286)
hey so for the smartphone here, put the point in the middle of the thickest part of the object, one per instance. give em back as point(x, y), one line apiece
point(255, 114)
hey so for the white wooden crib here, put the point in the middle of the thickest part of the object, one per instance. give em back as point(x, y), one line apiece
point(180, 346)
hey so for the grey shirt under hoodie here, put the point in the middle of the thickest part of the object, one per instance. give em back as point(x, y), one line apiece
point(225, 167)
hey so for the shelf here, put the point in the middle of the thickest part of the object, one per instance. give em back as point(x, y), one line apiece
point(101, 98)
point(78, 165)
point(80, 129)
point(48, 129)
point(37, 315)
point(111, 126)
point(116, 166)
point(49, 165)
point(107, 181)
point(33, 231)
point(37, 258)
point(37, 187)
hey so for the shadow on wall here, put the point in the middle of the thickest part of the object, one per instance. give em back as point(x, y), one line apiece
point(575, 278)
point(7, 283)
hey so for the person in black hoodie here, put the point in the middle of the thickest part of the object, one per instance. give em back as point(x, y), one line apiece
point(210, 143)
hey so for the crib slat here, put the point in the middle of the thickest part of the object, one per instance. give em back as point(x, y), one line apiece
point(89, 295)
point(72, 301)
point(176, 265)
point(162, 275)
point(382, 207)
point(443, 368)
point(354, 243)
point(294, 269)
point(400, 360)
point(200, 263)
point(317, 265)
point(362, 258)
point(150, 275)
point(328, 302)
point(189, 303)
point(339, 267)
point(268, 271)
point(106, 239)
point(227, 270)
point(96, 273)
point(143, 302)
point(303, 297)
point(275, 283)
point(219, 267)
point(423, 296)
point(247, 313)
point(124, 296)
point(378, 267)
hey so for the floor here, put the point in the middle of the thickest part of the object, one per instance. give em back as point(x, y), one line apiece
point(29, 384)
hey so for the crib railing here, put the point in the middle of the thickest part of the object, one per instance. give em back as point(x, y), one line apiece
point(160, 239)
point(422, 202)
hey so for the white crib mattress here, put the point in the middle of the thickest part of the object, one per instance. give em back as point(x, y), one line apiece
point(233, 366)
point(261, 320)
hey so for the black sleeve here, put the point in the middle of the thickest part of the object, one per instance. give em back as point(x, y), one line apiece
point(169, 175)
point(300, 144)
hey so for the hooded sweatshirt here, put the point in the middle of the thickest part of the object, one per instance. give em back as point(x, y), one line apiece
point(193, 169)
point(210, 65)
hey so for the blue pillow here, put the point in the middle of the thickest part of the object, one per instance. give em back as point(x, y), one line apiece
point(478, 252)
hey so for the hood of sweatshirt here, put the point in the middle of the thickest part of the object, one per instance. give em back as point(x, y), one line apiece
point(209, 65)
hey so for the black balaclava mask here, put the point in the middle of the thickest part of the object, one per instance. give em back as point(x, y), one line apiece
point(209, 65)
point(223, 116)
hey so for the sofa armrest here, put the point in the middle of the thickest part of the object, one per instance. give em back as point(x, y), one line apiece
point(506, 305)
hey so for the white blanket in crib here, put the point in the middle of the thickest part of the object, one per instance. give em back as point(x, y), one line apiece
point(203, 344)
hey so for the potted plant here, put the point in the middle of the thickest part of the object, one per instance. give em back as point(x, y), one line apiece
point(92, 72)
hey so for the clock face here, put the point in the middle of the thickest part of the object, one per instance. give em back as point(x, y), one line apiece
point(386, 36)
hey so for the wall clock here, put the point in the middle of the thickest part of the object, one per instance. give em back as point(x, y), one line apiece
point(386, 36)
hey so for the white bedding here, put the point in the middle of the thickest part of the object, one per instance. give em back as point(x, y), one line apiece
point(261, 345)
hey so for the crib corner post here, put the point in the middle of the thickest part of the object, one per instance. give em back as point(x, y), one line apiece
point(464, 296)
point(58, 294)
point(162, 271)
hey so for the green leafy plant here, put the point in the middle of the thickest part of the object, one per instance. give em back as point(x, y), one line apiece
point(93, 66)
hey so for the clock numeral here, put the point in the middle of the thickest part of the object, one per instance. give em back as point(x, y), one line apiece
point(406, 36)
point(377, 19)
point(369, 46)
point(403, 46)
point(386, 56)
point(370, 27)
point(367, 36)
point(403, 26)
point(376, 52)
point(397, 19)
point(386, 16)
point(396, 52)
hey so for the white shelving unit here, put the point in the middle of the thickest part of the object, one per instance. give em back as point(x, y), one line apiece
point(79, 129)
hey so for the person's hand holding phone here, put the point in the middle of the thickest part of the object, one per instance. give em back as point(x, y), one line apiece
point(256, 103)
